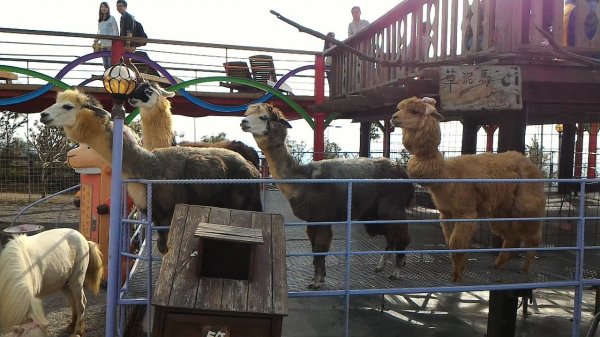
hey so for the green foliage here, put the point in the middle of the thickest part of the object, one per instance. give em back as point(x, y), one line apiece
point(535, 152)
point(50, 145)
point(404, 156)
point(10, 122)
point(374, 133)
point(136, 126)
point(296, 149)
point(214, 139)
point(333, 150)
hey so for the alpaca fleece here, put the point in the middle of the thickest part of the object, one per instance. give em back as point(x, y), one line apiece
point(328, 202)
point(421, 136)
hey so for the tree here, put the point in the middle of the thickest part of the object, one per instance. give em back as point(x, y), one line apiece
point(376, 127)
point(333, 150)
point(10, 122)
point(214, 139)
point(535, 152)
point(50, 145)
point(297, 149)
point(404, 156)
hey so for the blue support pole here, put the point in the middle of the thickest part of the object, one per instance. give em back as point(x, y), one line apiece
point(112, 292)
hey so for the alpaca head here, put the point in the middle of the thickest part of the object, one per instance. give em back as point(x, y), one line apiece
point(266, 123)
point(147, 95)
point(420, 123)
point(412, 113)
point(70, 107)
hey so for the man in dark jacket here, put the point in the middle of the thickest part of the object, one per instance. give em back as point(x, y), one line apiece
point(127, 24)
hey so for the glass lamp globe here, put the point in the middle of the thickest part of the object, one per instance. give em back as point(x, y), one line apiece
point(119, 79)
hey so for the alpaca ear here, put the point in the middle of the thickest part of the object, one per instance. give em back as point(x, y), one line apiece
point(430, 108)
point(284, 122)
point(164, 92)
point(99, 111)
point(429, 100)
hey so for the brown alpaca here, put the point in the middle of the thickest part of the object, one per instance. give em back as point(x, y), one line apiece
point(157, 123)
point(328, 202)
point(421, 136)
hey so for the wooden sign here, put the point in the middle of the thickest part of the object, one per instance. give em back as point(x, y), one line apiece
point(215, 331)
point(480, 88)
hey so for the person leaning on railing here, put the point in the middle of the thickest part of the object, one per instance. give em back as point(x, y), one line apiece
point(356, 24)
point(127, 23)
point(107, 25)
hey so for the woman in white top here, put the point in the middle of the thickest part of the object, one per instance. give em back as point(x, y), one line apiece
point(107, 25)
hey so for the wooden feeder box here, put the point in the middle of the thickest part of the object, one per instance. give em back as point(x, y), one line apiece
point(224, 275)
point(226, 251)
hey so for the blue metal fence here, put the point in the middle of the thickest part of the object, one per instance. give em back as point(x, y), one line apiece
point(576, 280)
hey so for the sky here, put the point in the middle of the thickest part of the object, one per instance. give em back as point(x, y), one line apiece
point(237, 22)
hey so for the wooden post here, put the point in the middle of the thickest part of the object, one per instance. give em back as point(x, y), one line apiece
point(387, 129)
point(511, 135)
point(365, 139)
point(469, 138)
point(566, 162)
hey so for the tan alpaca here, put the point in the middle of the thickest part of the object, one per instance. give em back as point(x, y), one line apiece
point(84, 122)
point(157, 123)
point(421, 136)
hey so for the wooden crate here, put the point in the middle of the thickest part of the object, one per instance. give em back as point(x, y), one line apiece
point(188, 305)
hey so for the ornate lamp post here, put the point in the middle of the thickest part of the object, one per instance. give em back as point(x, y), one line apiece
point(119, 80)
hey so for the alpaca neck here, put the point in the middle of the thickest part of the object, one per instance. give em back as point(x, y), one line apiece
point(157, 126)
point(136, 160)
point(281, 164)
point(426, 161)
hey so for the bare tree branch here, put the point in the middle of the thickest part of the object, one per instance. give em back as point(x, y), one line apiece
point(590, 61)
point(384, 63)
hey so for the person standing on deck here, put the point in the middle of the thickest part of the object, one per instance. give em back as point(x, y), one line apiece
point(357, 24)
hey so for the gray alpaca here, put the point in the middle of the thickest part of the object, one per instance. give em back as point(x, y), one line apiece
point(83, 122)
point(328, 202)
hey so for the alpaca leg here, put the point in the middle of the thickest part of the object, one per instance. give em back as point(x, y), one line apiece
point(504, 257)
point(400, 242)
point(447, 228)
point(161, 241)
point(531, 241)
point(460, 239)
point(382, 261)
point(320, 239)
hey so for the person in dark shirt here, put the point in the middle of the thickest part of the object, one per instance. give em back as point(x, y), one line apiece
point(127, 23)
